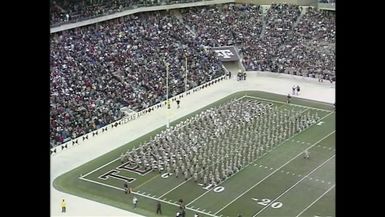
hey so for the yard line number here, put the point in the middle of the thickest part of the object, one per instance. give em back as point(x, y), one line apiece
point(265, 202)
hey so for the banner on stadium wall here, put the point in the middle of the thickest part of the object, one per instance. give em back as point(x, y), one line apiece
point(226, 54)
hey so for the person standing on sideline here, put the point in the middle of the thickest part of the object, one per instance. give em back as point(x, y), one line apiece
point(135, 201)
point(306, 154)
point(126, 187)
point(158, 208)
point(63, 206)
point(298, 89)
point(182, 213)
point(293, 88)
point(178, 103)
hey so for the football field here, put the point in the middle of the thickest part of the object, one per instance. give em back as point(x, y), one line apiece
point(278, 182)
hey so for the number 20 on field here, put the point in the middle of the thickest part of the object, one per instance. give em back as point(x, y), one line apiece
point(265, 202)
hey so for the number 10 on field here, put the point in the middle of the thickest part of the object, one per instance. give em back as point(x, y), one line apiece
point(265, 202)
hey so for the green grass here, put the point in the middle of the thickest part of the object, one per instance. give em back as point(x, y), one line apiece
point(278, 176)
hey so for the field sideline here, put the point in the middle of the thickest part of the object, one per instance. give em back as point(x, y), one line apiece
point(239, 191)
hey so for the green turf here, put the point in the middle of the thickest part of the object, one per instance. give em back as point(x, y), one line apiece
point(262, 179)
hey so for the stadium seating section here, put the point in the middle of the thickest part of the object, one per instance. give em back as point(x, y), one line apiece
point(98, 69)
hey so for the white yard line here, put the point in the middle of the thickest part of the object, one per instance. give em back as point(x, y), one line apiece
point(316, 200)
point(294, 185)
point(100, 183)
point(318, 102)
point(273, 172)
point(255, 97)
point(99, 167)
point(174, 188)
point(149, 180)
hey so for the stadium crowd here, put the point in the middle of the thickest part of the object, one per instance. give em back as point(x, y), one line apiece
point(310, 49)
point(232, 24)
point(98, 69)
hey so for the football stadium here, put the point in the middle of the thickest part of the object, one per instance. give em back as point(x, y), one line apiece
point(216, 108)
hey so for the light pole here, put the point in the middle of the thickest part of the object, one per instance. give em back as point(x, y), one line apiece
point(185, 79)
point(167, 101)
